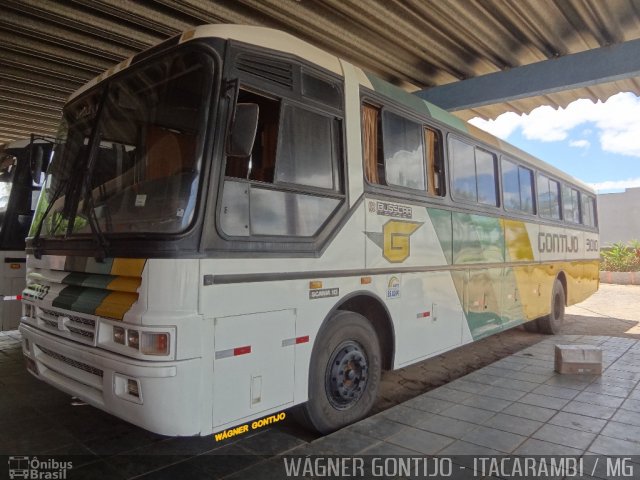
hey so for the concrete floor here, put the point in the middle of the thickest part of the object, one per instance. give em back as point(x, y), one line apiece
point(515, 406)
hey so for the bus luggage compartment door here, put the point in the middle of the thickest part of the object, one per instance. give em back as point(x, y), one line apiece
point(253, 364)
point(12, 282)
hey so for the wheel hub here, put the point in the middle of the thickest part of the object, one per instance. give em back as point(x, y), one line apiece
point(347, 374)
point(558, 308)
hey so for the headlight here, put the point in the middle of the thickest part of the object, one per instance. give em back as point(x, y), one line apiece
point(136, 340)
point(155, 343)
point(118, 335)
point(133, 339)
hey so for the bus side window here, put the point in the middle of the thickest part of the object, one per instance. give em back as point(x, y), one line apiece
point(473, 173)
point(403, 152)
point(292, 182)
point(486, 177)
point(260, 166)
point(517, 187)
point(589, 216)
point(371, 145)
point(570, 204)
point(399, 152)
point(548, 197)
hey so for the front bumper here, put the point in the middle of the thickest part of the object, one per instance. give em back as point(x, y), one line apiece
point(169, 398)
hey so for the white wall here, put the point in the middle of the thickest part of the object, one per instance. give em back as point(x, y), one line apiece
point(619, 216)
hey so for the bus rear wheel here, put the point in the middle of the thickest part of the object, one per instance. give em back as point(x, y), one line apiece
point(550, 324)
point(344, 373)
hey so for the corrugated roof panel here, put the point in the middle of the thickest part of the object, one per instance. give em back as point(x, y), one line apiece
point(58, 46)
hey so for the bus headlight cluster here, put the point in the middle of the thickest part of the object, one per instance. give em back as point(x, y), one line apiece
point(119, 335)
point(28, 310)
point(133, 339)
point(147, 343)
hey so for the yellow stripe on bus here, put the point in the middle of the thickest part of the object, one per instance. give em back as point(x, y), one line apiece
point(116, 304)
point(128, 267)
point(535, 283)
point(125, 284)
point(517, 241)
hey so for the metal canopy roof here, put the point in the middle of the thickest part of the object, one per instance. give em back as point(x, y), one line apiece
point(49, 48)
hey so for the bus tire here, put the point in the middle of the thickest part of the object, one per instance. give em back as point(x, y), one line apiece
point(550, 324)
point(344, 373)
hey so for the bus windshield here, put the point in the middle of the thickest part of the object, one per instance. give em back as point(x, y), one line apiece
point(130, 153)
point(7, 170)
point(18, 191)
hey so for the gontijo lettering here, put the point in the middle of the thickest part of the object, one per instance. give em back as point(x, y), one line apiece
point(557, 243)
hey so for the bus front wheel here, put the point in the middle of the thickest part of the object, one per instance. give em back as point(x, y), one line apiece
point(550, 324)
point(344, 373)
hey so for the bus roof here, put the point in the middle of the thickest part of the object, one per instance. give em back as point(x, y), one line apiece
point(287, 43)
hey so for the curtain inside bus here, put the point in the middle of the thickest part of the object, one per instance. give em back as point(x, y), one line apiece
point(370, 142)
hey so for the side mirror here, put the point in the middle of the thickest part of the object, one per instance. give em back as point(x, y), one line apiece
point(243, 130)
point(36, 155)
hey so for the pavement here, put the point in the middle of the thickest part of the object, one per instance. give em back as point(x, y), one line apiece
point(517, 405)
point(514, 406)
point(614, 310)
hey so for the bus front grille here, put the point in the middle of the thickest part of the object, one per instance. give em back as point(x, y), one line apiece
point(72, 326)
point(74, 363)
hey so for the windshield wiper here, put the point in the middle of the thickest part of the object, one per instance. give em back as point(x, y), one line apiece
point(92, 218)
point(63, 187)
point(94, 223)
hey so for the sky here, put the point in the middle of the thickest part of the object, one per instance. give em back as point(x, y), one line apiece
point(598, 143)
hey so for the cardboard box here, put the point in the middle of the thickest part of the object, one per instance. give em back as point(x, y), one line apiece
point(578, 359)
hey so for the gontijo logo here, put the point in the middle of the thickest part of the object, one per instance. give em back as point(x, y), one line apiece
point(394, 239)
point(396, 245)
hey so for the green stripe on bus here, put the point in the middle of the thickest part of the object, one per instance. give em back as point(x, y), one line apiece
point(445, 117)
point(491, 303)
point(80, 299)
point(88, 280)
point(398, 94)
point(477, 239)
point(89, 300)
point(75, 279)
point(67, 297)
point(441, 220)
point(98, 281)
point(417, 103)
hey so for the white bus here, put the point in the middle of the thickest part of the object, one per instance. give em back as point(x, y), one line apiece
point(238, 222)
point(18, 197)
